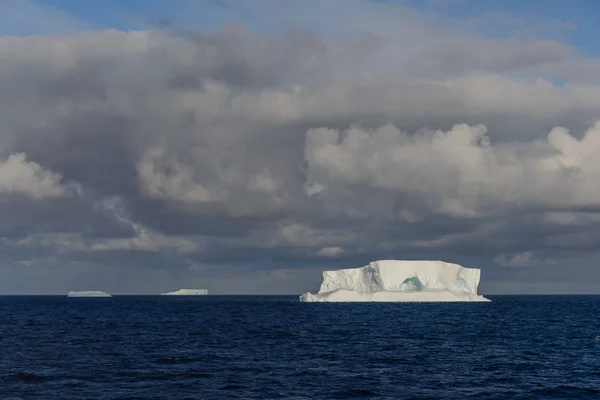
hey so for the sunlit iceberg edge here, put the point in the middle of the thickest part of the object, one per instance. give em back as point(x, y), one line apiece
point(87, 293)
point(187, 292)
point(400, 281)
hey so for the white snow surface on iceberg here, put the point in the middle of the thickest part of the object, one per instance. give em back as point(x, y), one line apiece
point(187, 292)
point(399, 281)
point(88, 293)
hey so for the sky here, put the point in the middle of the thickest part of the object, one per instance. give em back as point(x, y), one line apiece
point(246, 146)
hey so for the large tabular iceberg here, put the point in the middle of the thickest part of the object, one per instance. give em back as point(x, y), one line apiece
point(401, 281)
point(187, 292)
point(88, 293)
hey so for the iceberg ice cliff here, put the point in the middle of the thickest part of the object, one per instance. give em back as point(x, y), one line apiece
point(399, 281)
point(88, 293)
point(187, 292)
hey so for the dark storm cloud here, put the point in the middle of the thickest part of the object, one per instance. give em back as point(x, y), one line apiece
point(262, 158)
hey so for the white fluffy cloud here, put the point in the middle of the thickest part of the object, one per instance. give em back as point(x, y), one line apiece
point(19, 176)
point(459, 172)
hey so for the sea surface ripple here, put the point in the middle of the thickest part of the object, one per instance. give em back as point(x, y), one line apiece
point(274, 347)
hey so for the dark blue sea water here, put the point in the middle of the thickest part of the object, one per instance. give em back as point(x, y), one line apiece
point(221, 347)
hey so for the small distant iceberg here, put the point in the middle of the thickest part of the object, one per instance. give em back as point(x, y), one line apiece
point(187, 292)
point(399, 281)
point(88, 293)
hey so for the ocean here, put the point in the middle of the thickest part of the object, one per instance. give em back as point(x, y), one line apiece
point(274, 347)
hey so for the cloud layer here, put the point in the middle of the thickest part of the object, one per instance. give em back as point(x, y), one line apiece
point(247, 162)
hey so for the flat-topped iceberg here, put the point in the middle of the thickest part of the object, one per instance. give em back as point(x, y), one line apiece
point(399, 281)
point(88, 293)
point(187, 292)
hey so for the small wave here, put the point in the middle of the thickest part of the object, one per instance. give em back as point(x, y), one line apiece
point(174, 360)
point(160, 376)
point(305, 373)
point(571, 392)
point(353, 394)
point(232, 387)
point(27, 377)
point(85, 341)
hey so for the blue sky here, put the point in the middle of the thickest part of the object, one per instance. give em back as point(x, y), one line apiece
point(575, 22)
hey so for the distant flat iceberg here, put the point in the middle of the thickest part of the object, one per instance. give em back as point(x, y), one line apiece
point(399, 281)
point(187, 292)
point(89, 293)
